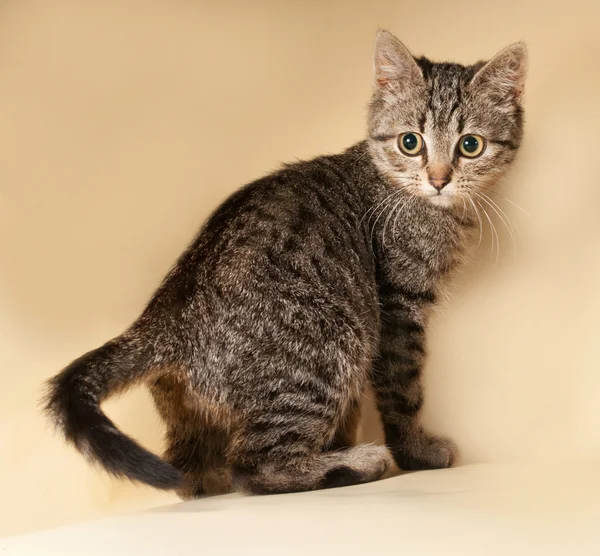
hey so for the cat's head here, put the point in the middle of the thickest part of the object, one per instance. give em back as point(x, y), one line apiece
point(444, 131)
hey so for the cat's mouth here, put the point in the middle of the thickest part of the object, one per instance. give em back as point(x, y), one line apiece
point(441, 198)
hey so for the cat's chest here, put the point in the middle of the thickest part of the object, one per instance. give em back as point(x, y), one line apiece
point(421, 259)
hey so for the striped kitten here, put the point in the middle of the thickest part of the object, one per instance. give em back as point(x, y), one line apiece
point(303, 287)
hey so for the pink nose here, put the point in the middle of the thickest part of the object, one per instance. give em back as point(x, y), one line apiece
point(439, 183)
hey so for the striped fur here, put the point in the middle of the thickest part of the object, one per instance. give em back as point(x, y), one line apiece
point(302, 288)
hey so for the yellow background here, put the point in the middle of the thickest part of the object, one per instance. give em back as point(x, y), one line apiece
point(123, 124)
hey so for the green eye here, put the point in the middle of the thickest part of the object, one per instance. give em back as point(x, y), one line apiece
point(471, 146)
point(410, 143)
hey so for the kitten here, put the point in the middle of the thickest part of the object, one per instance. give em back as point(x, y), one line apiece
point(303, 287)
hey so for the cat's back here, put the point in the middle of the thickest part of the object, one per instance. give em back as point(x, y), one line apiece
point(294, 232)
point(297, 204)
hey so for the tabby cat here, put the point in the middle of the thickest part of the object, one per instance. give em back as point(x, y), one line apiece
point(303, 288)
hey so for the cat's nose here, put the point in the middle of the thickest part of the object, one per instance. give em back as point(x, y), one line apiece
point(439, 183)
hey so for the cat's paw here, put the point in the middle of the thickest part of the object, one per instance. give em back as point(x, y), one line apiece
point(426, 452)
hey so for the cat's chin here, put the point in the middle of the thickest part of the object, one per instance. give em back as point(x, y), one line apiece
point(445, 201)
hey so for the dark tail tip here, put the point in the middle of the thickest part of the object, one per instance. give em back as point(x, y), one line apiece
point(122, 457)
point(73, 405)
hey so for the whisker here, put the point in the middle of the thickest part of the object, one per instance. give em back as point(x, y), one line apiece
point(511, 222)
point(512, 203)
point(405, 205)
point(464, 214)
point(360, 157)
point(484, 185)
point(399, 192)
point(387, 220)
point(374, 208)
point(494, 233)
point(506, 223)
point(479, 219)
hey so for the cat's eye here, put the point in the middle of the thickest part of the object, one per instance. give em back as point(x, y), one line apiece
point(471, 146)
point(410, 143)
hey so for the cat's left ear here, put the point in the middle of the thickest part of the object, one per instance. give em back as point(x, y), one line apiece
point(504, 75)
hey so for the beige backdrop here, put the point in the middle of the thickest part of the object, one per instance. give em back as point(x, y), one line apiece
point(123, 124)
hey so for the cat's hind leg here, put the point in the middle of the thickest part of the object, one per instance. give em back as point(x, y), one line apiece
point(198, 436)
point(277, 453)
point(360, 464)
point(201, 460)
point(347, 429)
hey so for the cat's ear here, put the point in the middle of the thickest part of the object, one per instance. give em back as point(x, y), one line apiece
point(395, 68)
point(504, 75)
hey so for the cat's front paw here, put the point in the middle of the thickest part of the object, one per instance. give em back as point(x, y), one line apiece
point(426, 452)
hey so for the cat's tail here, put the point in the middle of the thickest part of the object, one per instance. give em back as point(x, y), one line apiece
point(73, 403)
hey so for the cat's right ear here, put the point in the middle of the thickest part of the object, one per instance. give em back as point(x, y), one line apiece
point(396, 70)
